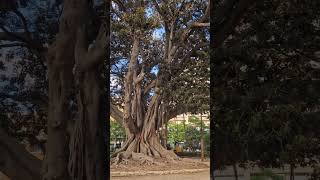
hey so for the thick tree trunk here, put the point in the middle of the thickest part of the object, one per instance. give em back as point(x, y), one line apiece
point(87, 141)
point(162, 124)
point(87, 157)
point(60, 79)
point(144, 144)
point(142, 124)
point(60, 65)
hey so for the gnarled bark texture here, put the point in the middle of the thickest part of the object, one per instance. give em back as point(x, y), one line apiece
point(142, 120)
point(15, 161)
point(87, 159)
point(60, 65)
point(141, 123)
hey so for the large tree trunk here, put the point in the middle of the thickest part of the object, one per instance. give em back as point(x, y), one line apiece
point(60, 79)
point(87, 160)
point(142, 124)
point(145, 141)
point(60, 65)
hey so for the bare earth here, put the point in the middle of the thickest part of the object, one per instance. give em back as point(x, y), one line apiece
point(161, 165)
point(193, 176)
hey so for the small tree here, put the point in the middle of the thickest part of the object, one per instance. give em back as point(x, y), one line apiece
point(176, 132)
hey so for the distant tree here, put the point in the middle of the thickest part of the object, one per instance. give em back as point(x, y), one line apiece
point(176, 132)
point(116, 130)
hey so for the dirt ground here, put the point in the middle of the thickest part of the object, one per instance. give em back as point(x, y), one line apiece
point(184, 163)
point(161, 165)
point(193, 176)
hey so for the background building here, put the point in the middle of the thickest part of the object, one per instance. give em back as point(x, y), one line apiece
point(185, 117)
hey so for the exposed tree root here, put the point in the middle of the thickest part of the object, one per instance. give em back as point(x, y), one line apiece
point(141, 162)
point(145, 152)
point(123, 158)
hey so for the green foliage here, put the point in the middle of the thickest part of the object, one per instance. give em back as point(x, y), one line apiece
point(265, 99)
point(193, 132)
point(116, 130)
point(189, 133)
point(176, 132)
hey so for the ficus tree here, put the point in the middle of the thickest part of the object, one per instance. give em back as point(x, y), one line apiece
point(75, 141)
point(150, 62)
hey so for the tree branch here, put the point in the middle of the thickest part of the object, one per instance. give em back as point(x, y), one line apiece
point(30, 43)
point(85, 58)
point(163, 14)
point(200, 25)
point(16, 162)
point(13, 35)
point(116, 114)
point(120, 4)
point(12, 45)
point(174, 112)
point(24, 22)
point(186, 32)
point(149, 86)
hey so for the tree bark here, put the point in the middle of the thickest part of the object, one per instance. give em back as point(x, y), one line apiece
point(144, 142)
point(141, 119)
point(87, 157)
point(142, 124)
point(16, 162)
point(60, 65)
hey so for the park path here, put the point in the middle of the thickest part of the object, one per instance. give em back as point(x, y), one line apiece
point(188, 176)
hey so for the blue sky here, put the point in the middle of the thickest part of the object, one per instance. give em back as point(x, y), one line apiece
point(158, 33)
